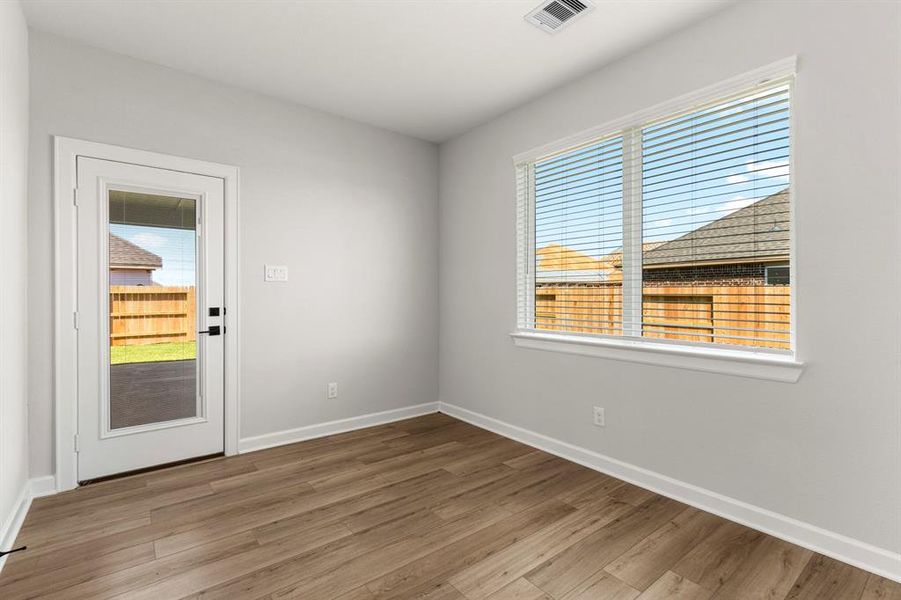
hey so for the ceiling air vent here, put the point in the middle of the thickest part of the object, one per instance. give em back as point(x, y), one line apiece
point(552, 16)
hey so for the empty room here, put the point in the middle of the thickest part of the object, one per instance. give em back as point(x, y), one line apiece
point(450, 299)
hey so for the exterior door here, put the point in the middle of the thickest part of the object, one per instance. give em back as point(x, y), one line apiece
point(150, 246)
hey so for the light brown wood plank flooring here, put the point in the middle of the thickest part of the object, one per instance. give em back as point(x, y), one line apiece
point(428, 508)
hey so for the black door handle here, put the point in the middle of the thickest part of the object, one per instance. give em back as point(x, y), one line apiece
point(213, 330)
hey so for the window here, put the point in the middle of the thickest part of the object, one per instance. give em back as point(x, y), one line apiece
point(578, 222)
point(673, 228)
point(777, 275)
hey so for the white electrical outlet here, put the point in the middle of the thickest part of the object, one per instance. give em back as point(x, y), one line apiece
point(275, 273)
point(600, 419)
point(332, 390)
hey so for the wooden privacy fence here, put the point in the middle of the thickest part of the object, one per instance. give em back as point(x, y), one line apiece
point(721, 314)
point(151, 314)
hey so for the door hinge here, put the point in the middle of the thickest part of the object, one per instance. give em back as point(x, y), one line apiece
point(75, 442)
point(75, 320)
point(75, 196)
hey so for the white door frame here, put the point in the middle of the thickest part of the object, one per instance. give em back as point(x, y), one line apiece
point(65, 381)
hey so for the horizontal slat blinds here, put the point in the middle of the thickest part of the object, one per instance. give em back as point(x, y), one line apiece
point(701, 200)
point(715, 214)
point(578, 216)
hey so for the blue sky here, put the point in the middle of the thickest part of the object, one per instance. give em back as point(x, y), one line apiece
point(175, 246)
point(697, 168)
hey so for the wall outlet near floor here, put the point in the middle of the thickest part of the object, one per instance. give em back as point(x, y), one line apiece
point(600, 420)
point(332, 390)
point(275, 273)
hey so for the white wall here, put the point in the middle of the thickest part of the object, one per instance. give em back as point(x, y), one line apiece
point(130, 277)
point(13, 247)
point(827, 450)
point(349, 208)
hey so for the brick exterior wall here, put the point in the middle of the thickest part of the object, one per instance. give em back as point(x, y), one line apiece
point(745, 274)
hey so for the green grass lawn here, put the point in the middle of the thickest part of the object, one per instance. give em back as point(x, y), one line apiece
point(120, 355)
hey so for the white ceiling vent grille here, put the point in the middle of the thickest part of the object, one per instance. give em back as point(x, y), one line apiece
point(552, 16)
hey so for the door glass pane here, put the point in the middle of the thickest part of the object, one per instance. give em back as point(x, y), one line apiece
point(152, 309)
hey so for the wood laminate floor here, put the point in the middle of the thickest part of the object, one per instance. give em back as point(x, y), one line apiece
point(425, 508)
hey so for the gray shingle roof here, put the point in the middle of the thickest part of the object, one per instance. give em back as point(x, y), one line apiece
point(758, 231)
point(124, 254)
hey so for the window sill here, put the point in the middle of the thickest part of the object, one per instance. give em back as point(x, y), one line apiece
point(755, 365)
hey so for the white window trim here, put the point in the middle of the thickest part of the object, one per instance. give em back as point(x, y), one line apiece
point(686, 102)
point(758, 363)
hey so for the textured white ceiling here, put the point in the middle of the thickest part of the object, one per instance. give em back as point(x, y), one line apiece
point(427, 68)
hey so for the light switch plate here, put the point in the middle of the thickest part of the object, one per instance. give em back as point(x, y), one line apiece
point(275, 273)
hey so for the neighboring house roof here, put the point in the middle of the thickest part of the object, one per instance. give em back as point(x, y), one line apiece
point(559, 263)
point(616, 257)
point(560, 258)
point(125, 255)
point(556, 263)
point(757, 232)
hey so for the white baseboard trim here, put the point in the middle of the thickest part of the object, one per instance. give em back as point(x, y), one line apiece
point(33, 488)
point(13, 522)
point(854, 552)
point(290, 436)
point(43, 486)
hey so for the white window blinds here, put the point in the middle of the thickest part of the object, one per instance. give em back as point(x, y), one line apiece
point(579, 222)
point(676, 229)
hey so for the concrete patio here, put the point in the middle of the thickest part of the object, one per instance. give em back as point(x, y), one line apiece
point(152, 392)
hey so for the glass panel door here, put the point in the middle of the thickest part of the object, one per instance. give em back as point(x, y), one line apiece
point(153, 275)
point(150, 320)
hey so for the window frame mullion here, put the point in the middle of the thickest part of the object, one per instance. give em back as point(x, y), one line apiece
point(632, 233)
